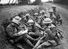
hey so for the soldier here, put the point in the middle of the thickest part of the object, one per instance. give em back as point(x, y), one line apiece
point(57, 14)
point(25, 18)
point(52, 17)
point(47, 24)
point(42, 12)
point(51, 31)
point(32, 26)
point(44, 22)
point(48, 39)
point(54, 9)
point(36, 16)
point(51, 14)
point(59, 20)
point(16, 32)
point(12, 27)
point(53, 36)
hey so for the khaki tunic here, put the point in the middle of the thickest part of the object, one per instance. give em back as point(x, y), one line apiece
point(12, 29)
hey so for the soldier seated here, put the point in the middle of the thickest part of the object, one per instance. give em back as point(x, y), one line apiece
point(54, 8)
point(16, 32)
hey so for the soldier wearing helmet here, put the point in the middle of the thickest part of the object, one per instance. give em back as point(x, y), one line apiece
point(47, 39)
point(13, 25)
point(34, 27)
point(31, 25)
point(57, 15)
point(26, 17)
point(42, 12)
point(36, 16)
point(51, 12)
point(52, 17)
point(54, 8)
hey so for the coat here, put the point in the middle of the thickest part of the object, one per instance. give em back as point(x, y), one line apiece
point(11, 29)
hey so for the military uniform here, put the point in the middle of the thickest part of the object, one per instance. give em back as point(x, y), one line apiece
point(11, 29)
point(58, 18)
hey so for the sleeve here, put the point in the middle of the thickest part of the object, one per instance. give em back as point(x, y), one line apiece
point(22, 32)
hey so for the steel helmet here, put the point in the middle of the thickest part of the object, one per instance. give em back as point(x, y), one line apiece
point(53, 6)
point(35, 14)
point(27, 14)
point(16, 19)
point(30, 21)
point(47, 20)
point(46, 15)
point(42, 11)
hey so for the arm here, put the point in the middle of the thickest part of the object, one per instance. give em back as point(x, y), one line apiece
point(39, 26)
point(21, 33)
